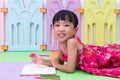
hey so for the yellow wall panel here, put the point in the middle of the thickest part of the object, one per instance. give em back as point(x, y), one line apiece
point(99, 22)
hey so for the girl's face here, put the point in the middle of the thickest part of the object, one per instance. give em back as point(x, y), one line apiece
point(64, 30)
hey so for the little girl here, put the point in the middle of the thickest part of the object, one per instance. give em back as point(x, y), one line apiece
point(98, 60)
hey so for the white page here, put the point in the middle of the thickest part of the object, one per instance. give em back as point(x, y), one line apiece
point(35, 69)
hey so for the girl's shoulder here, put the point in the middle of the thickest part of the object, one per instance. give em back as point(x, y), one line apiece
point(72, 41)
point(75, 40)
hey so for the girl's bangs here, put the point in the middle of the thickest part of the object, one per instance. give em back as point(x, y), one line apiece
point(63, 18)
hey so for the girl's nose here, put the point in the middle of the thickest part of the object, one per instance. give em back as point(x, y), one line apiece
point(61, 28)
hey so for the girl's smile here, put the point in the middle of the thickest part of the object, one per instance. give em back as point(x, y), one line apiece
point(61, 35)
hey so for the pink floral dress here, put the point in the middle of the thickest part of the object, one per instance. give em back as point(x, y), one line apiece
point(99, 60)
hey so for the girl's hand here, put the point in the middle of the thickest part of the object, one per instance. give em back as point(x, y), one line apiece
point(55, 62)
point(36, 58)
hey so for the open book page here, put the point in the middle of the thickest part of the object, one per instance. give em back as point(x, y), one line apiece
point(35, 69)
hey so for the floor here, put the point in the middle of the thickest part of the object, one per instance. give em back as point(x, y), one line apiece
point(8, 57)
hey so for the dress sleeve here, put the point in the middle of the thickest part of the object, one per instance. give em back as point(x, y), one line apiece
point(80, 42)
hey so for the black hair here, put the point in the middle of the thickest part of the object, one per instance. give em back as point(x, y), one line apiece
point(66, 15)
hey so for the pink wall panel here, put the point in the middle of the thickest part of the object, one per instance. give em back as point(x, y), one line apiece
point(2, 27)
point(52, 7)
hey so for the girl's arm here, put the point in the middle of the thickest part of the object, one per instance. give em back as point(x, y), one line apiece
point(48, 61)
point(36, 58)
point(72, 45)
point(39, 60)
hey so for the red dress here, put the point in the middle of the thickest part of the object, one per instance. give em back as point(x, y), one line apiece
point(99, 60)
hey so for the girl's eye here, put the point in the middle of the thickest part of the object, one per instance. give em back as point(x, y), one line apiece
point(66, 25)
point(57, 25)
